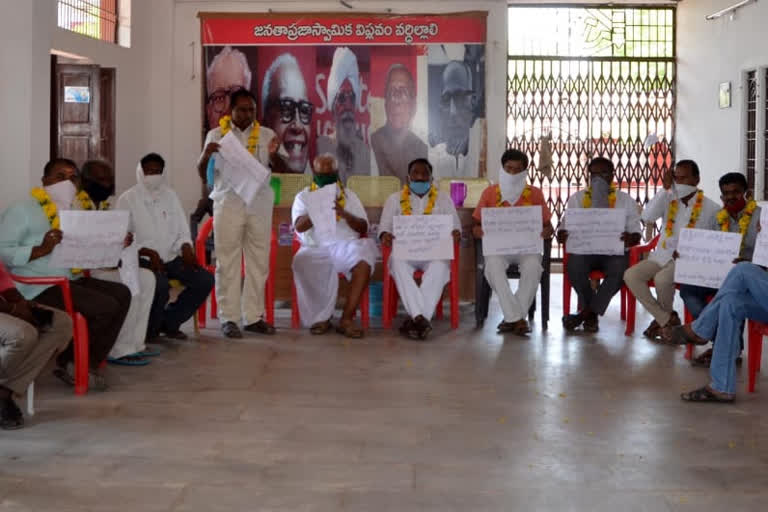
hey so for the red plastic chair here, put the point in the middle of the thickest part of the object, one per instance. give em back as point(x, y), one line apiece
point(269, 286)
point(594, 275)
point(80, 331)
point(296, 320)
point(756, 331)
point(390, 294)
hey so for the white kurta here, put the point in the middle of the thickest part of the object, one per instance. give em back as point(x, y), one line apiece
point(419, 300)
point(317, 264)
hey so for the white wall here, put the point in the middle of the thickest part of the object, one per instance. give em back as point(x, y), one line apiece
point(711, 52)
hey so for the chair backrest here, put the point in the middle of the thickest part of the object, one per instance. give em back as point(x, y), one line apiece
point(290, 185)
point(475, 187)
point(373, 190)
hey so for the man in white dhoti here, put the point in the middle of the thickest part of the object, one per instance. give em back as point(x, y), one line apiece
point(241, 229)
point(419, 197)
point(322, 257)
point(97, 182)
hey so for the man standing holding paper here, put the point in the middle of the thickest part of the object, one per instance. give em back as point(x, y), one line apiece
point(601, 193)
point(29, 232)
point(419, 197)
point(681, 205)
point(330, 221)
point(512, 190)
point(239, 228)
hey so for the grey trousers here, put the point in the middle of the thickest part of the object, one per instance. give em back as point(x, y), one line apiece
point(579, 267)
point(24, 352)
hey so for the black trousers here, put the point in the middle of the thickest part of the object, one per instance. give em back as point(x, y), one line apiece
point(103, 304)
point(579, 267)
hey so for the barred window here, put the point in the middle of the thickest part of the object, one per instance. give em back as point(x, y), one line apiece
point(93, 18)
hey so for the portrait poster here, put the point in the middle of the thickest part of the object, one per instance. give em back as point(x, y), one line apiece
point(376, 91)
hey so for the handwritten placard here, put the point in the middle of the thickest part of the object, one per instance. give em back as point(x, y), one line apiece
point(244, 172)
point(514, 230)
point(91, 239)
point(760, 256)
point(705, 256)
point(595, 230)
point(422, 237)
point(321, 213)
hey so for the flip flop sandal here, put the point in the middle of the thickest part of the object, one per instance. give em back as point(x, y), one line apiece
point(320, 328)
point(65, 377)
point(652, 330)
point(147, 353)
point(704, 395)
point(350, 332)
point(131, 360)
point(678, 336)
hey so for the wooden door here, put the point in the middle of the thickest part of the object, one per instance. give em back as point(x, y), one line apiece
point(78, 112)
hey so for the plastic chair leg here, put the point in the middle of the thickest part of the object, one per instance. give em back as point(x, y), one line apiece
point(365, 309)
point(623, 303)
point(81, 355)
point(631, 310)
point(755, 338)
point(439, 309)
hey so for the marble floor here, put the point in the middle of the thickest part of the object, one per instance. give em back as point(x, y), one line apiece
point(468, 421)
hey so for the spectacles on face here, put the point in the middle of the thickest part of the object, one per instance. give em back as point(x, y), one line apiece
point(345, 97)
point(399, 94)
point(220, 96)
point(289, 107)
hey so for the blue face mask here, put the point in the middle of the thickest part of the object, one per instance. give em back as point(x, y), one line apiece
point(419, 188)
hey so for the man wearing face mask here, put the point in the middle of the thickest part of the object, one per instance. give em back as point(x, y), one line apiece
point(419, 197)
point(601, 193)
point(319, 261)
point(681, 204)
point(162, 235)
point(28, 234)
point(98, 187)
point(512, 190)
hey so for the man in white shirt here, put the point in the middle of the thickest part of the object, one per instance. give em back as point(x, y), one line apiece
point(241, 229)
point(680, 205)
point(601, 193)
point(160, 228)
point(322, 257)
point(418, 197)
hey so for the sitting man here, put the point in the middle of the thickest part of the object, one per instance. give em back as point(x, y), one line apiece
point(97, 181)
point(419, 197)
point(162, 234)
point(317, 264)
point(29, 336)
point(682, 205)
point(601, 193)
point(743, 295)
point(738, 215)
point(29, 231)
point(512, 190)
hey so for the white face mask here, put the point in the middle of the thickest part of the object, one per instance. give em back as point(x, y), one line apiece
point(62, 193)
point(153, 181)
point(512, 185)
point(600, 191)
point(684, 190)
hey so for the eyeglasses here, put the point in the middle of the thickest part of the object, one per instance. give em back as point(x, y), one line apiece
point(345, 97)
point(288, 109)
point(399, 94)
point(222, 95)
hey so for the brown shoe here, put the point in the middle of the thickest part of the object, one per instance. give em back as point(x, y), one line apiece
point(423, 326)
point(653, 331)
point(260, 327)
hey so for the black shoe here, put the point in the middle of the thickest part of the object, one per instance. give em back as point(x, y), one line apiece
point(260, 327)
point(231, 330)
point(10, 415)
point(423, 327)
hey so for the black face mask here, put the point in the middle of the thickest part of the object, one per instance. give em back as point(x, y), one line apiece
point(97, 191)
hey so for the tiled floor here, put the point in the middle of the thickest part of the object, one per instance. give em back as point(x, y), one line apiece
point(466, 422)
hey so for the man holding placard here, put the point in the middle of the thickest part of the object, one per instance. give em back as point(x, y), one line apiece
point(514, 240)
point(240, 228)
point(601, 222)
point(29, 233)
point(330, 221)
point(681, 204)
point(427, 208)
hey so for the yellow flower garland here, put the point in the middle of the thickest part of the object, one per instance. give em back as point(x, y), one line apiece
point(405, 201)
point(342, 197)
point(526, 195)
point(86, 203)
point(586, 202)
point(724, 220)
point(672, 215)
point(50, 210)
point(225, 123)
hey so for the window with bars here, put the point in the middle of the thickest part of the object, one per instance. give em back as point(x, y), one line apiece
point(93, 18)
point(600, 81)
point(765, 137)
point(750, 132)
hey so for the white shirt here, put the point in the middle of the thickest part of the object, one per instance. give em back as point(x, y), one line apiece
point(659, 207)
point(221, 187)
point(158, 221)
point(623, 201)
point(443, 206)
point(343, 231)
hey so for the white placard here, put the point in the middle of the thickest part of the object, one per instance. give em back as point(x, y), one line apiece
point(512, 230)
point(91, 239)
point(321, 213)
point(129, 269)
point(705, 256)
point(244, 172)
point(595, 230)
point(422, 237)
point(760, 256)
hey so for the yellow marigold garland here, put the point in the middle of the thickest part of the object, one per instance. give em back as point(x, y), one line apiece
point(342, 197)
point(86, 203)
point(50, 210)
point(586, 202)
point(405, 201)
point(724, 219)
point(672, 214)
point(225, 123)
point(526, 195)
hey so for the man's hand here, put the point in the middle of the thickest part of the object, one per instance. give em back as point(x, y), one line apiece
point(188, 257)
point(456, 235)
point(211, 148)
point(274, 145)
point(51, 239)
point(630, 239)
point(128, 240)
point(548, 232)
point(155, 263)
point(477, 231)
point(740, 260)
point(562, 236)
point(675, 255)
point(386, 239)
point(668, 179)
